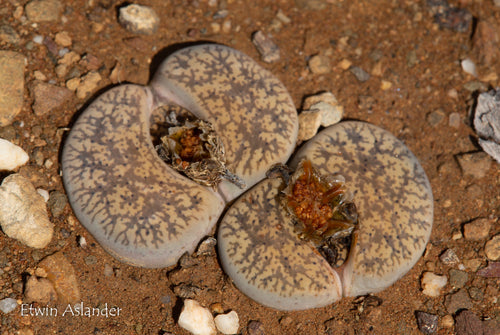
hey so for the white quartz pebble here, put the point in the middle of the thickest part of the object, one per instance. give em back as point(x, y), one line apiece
point(139, 19)
point(196, 319)
point(11, 156)
point(227, 323)
point(432, 284)
point(7, 305)
point(469, 67)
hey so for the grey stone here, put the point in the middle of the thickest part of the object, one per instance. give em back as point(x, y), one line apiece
point(12, 66)
point(359, 73)
point(458, 300)
point(487, 122)
point(23, 213)
point(434, 118)
point(458, 278)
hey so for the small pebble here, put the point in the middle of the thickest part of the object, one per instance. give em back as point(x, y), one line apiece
point(492, 248)
point(326, 103)
point(196, 319)
point(63, 39)
point(88, 84)
point(434, 118)
point(11, 156)
point(447, 321)
point(450, 17)
point(478, 229)
point(217, 308)
point(427, 323)
point(385, 85)
point(9, 35)
point(57, 202)
point(268, 50)
point(458, 300)
point(344, 64)
point(309, 123)
point(449, 257)
point(186, 291)
point(44, 10)
point(227, 323)
point(62, 275)
point(475, 164)
point(432, 284)
point(23, 213)
point(90, 260)
point(43, 193)
point(166, 299)
point(491, 271)
point(469, 67)
point(467, 323)
point(319, 64)
point(82, 242)
point(472, 264)
point(359, 73)
point(458, 278)
point(48, 97)
point(476, 293)
point(139, 19)
point(486, 40)
point(39, 290)
point(255, 328)
point(108, 270)
point(207, 247)
point(7, 305)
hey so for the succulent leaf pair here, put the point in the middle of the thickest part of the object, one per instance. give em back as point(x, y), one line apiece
point(145, 213)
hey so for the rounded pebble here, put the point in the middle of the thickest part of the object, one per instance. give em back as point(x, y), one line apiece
point(11, 156)
point(7, 305)
point(227, 323)
point(492, 248)
point(196, 319)
point(23, 213)
point(139, 19)
point(469, 67)
point(44, 10)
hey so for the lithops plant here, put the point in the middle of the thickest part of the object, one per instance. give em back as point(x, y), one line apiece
point(138, 208)
point(265, 256)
